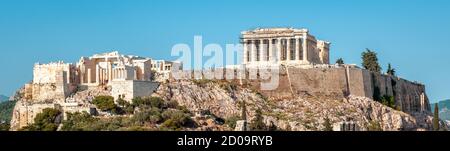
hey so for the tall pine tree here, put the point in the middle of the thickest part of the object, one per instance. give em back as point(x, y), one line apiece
point(370, 61)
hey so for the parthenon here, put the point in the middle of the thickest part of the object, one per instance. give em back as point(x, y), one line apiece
point(283, 46)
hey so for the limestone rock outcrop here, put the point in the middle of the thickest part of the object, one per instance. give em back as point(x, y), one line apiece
point(303, 113)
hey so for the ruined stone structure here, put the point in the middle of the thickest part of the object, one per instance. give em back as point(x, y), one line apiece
point(101, 69)
point(128, 76)
point(162, 69)
point(283, 46)
point(53, 81)
point(54, 84)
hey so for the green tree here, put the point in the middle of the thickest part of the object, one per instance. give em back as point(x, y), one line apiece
point(78, 122)
point(148, 101)
point(48, 120)
point(244, 112)
point(327, 125)
point(125, 106)
point(6, 110)
point(129, 109)
point(175, 119)
point(231, 121)
point(122, 103)
point(370, 61)
point(104, 103)
point(156, 102)
point(4, 127)
point(390, 70)
point(340, 61)
point(257, 123)
point(436, 118)
point(151, 115)
point(388, 101)
point(374, 126)
point(244, 115)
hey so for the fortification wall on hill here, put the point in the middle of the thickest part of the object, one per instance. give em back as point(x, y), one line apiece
point(56, 90)
point(410, 97)
point(330, 80)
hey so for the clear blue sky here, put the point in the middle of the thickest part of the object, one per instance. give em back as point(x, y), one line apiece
point(412, 35)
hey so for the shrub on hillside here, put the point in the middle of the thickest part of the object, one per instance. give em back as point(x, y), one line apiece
point(104, 103)
point(231, 121)
point(6, 109)
point(148, 101)
point(48, 120)
point(175, 119)
point(152, 115)
point(388, 101)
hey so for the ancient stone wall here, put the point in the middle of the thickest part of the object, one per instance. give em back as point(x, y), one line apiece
point(410, 97)
point(52, 82)
point(56, 90)
point(49, 73)
point(25, 112)
point(130, 89)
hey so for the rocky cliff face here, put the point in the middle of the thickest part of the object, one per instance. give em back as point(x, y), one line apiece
point(302, 113)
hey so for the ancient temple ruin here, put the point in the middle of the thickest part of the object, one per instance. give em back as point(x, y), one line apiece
point(101, 69)
point(283, 46)
point(128, 76)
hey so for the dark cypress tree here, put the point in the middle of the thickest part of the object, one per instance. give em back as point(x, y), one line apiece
point(390, 70)
point(436, 117)
point(244, 111)
point(258, 122)
point(340, 61)
point(327, 125)
point(244, 115)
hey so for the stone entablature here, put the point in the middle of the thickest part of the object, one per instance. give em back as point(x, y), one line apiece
point(282, 46)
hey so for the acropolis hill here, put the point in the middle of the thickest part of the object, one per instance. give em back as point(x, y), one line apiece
point(310, 89)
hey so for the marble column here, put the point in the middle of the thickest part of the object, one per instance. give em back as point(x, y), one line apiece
point(297, 49)
point(244, 60)
point(270, 50)
point(113, 74)
point(278, 51)
point(288, 49)
point(89, 76)
point(118, 73)
point(97, 74)
point(124, 74)
point(100, 76)
point(110, 71)
point(253, 54)
point(261, 50)
point(81, 75)
point(121, 73)
point(305, 49)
